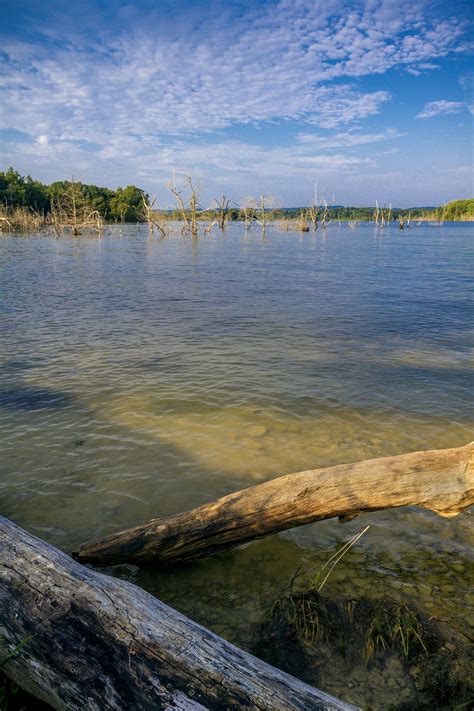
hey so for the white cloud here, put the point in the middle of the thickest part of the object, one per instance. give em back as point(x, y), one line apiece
point(437, 108)
point(281, 60)
point(133, 94)
point(346, 139)
point(421, 68)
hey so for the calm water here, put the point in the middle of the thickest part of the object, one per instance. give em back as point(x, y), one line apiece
point(140, 377)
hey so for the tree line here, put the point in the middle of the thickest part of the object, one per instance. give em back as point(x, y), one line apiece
point(131, 204)
point(457, 210)
point(120, 205)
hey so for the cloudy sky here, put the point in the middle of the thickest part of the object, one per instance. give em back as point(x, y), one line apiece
point(372, 99)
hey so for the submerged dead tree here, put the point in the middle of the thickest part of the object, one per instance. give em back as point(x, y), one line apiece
point(318, 211)
point(382, 215)
point(440, 480)
point(152, 217)
point(257, 210)
point(71, 211)
point(263, 210)
point(302, 224)
point(313, 210)
point(79, 640)
point(222, 210)
point(187, 200)
point(247, 211)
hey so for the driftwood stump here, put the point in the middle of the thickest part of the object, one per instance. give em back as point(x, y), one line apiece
point(440, 480)
point(82, 641)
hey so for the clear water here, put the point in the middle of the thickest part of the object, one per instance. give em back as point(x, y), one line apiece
point(140, 377)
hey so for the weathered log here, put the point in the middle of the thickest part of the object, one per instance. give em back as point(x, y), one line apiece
point(440, 480)
point(80, 640)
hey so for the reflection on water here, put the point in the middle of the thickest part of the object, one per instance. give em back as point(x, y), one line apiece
point(142, 377)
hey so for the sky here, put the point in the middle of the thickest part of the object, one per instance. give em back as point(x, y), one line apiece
point(370, 99)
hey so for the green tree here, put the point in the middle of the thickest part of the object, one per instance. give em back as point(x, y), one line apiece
point(12, 188)
point(127, 205)
point(18, 191)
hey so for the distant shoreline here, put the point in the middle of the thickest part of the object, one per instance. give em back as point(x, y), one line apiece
point(26, 204)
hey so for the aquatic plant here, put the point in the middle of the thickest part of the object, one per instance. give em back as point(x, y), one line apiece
point(306, 611)
point(312, 578)
point(394, 626)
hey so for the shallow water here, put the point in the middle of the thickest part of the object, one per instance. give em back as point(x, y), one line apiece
point(140, 377)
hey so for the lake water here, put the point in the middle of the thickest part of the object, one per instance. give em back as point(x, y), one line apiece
point(140, 377)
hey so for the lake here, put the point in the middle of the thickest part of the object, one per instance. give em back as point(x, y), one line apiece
point(140, 377)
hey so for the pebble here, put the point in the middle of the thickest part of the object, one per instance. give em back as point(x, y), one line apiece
point(257, 430)
point(251, 444)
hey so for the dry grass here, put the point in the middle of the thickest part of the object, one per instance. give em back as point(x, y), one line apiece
point(20, 219)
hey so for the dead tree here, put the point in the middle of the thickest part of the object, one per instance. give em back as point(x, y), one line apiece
point(325, 219)
point(302, 224)
point(440, 480)
point(223, 211)
point(383, 215)
point(71, 211)
point(257, 210)
point(262, 212)
point(80, 640)
point(247, 212)
point(313, 210)
point(187, 203)
point(376, 213)
point(151, 216)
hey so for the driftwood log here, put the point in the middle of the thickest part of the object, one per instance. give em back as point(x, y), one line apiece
point(80, 640)
point(440, 480)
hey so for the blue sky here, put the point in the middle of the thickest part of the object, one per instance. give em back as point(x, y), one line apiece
point(371, 99)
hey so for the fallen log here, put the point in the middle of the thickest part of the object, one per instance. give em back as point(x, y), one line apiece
point(80, 640)
point(440, 480)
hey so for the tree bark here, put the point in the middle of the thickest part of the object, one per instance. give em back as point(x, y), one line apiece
point(440, 480)
point(80, 640)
